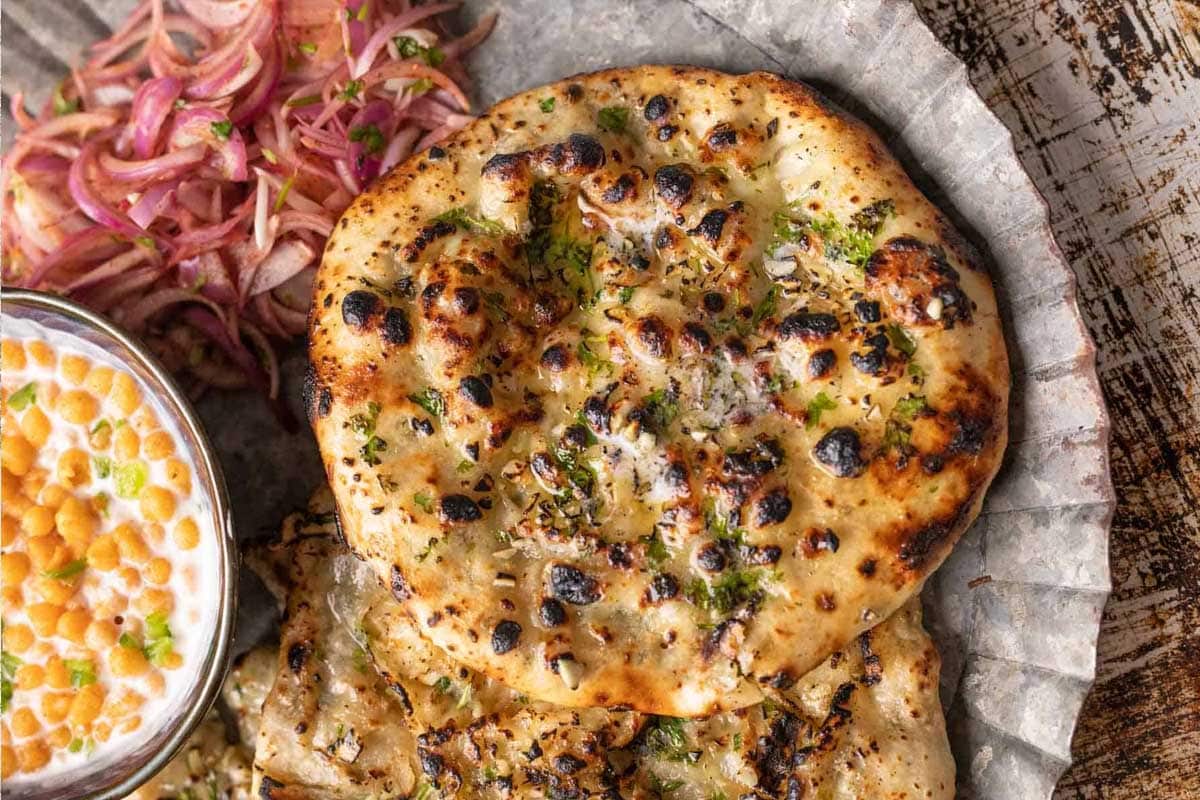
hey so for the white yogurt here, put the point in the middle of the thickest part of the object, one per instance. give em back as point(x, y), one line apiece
point(194, 582)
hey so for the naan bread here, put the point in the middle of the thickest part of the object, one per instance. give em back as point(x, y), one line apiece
point(865, 724)
point(329, 726)
point(414, 716)
point(245, 689)
point(653, 387)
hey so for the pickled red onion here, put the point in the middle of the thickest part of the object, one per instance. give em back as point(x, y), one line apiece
point(202, 157)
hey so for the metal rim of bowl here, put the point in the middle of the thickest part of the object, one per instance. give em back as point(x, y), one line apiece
point(213, 675)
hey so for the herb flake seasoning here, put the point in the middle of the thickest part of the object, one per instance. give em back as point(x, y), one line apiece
point(613, 119)
point(461, 218)
point(901, 340)
point(364, 426)
point(431, 400)
point(23, 398)
point(821, 402)
point(222, 129)
point(408, 47)
point(371, 138)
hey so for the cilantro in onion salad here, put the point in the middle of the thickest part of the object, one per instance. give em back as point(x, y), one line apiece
point(183, 180)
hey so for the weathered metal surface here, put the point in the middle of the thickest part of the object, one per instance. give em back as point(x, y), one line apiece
point(1103, 98)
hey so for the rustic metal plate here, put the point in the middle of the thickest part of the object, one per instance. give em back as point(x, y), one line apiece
point(1016, 609)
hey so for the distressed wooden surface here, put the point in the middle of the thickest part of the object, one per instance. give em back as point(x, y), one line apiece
point(1103, 98)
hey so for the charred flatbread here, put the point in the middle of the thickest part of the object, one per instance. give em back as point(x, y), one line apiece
point(866, 723)
point(654, 387)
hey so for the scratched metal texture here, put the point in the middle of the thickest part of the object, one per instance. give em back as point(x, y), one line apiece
point(1103, 99)
point(1093, 114)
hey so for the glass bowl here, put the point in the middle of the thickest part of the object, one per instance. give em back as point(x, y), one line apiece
point(118, 773)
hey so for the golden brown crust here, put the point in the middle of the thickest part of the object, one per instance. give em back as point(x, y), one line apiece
point(686, 354)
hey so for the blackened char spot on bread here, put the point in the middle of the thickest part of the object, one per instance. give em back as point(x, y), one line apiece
point(663, 586)
point(712, 642)
point(809, 326)
point(873, 360)
point(824, 738)
point(402, 695)
point(576, 437)
point(696, 337)
point(710, 226)
point(578, 155)
point(598, 414)
point(624, 188)
point(655, 336)
point(820, 540)
point(840, 452)
point(872, 666)
point(572, 585)
point(867, 311)
point(505, 636)
point(656, 108)
point(774, 755)
point(458, 508)
point(756, 461)
point(551, 612)
point(297, 655)
point(664, 238)
point(915, 551)
point(916, 285)
point(475, 391)
point(970, 433)
point(568, 763)
point(783, 679)
point(549, 308)
point(762, 555)
point(505, 166)
point(711, 558)
point(399, 585)
point(430, 295)
point(431, 763)
point(673, 183)
point(426, 236)
point(821, 363)
point(918, 547)
point(359, 307)
point(772, 508)
point(268, 788)
point(466, 299)
point(316, 397)
point(556, 358)
point(396, 329)
point(721, 137)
